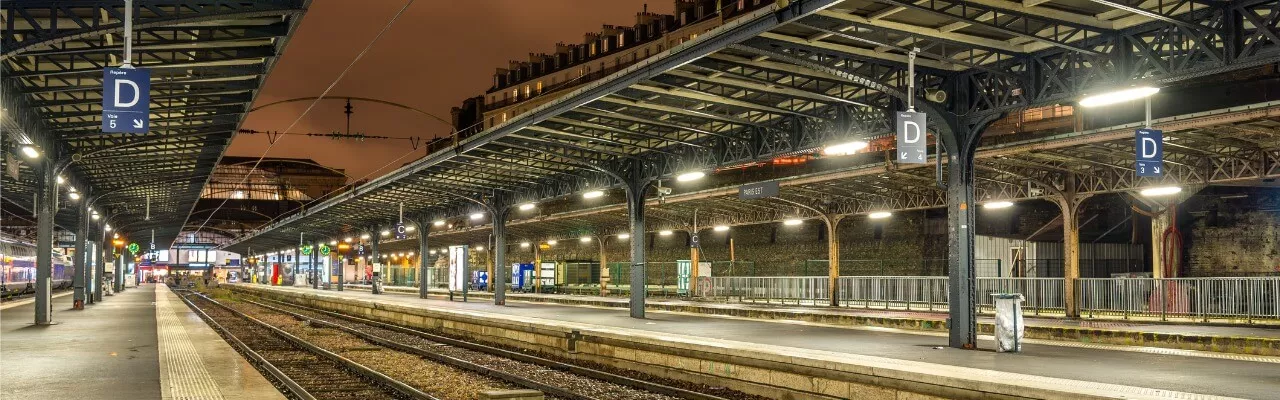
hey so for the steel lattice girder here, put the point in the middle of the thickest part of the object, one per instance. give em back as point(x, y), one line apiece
point(208, 58)
point(761, 88)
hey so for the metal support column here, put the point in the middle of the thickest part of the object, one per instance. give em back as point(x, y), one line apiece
point(1069, 203)
point(46, 208)
point(375, 282)
point(1159, 224)
point(80, 261)
point(424, 258)
point(500, 270)
point(97, 271)
point(961, 141)
point(119, 259)
point(604, 267)
point(342, 270)
point(315, 266)
point(833, 257)
point(635, 192)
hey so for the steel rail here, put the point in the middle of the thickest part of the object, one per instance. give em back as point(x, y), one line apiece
point(437, 357)
point(575, 369)
point(294, 388)
point(375, 376)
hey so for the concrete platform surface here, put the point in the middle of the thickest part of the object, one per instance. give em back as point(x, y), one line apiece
point(143, 343)
point(1255, 340)
point(1231, 375)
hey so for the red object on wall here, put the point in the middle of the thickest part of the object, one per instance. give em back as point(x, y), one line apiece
point(275, 274)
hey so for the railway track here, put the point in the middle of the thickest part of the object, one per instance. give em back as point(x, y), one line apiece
point(300, 369)
point(554, 378)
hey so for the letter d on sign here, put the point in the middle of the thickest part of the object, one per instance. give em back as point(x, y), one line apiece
point(136, 93)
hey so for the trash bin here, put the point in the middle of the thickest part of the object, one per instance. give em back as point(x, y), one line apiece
point(1009, 325)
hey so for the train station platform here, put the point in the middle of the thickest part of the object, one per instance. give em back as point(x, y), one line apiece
point(1063, 370)
point(143, 343)
point(1253, 340)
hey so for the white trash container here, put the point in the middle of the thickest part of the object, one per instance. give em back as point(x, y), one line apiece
point(1009, 325)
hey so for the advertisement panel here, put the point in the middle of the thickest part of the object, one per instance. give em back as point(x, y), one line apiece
point(457, 268)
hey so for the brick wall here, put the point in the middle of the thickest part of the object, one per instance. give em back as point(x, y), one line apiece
point(1234, 244)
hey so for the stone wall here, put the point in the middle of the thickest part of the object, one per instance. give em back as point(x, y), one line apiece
point(1234, 244)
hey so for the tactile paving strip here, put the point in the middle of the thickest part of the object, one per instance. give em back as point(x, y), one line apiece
point(183, 375)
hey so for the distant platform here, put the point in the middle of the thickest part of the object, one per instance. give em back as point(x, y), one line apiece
point(1125, 371)
point(143, 343)
point(1251, 340)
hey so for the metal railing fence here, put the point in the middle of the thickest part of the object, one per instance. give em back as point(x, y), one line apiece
point(1237, 300)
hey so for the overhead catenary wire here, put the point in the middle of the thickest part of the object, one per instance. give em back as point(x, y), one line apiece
point(326, 91)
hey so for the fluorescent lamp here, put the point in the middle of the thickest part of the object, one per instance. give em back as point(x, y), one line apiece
point(1161, 191)
point(107, 227)
point(333, 242)
point(439, 223)
point(584, 239)
point(1119, 96)
point(665, 233)
point(348, 240)
point(880, 215)
point(527, 206)
point(477, 216)
point(721, 228)
point(364, 237)
point(592, 194)
point(624, 236)
point(552, 242)
point(845, 149)
point(410, 228)
point(95, 217)
point(479, 248)
point(61, 180)
point(524, 244)
point(74, 195)
point(30, 152)
point(998, 204)
point(793, 221)
point(691, 176)
point(386, 233)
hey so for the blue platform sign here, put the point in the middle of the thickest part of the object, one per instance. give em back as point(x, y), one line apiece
point(1149, 149)
point(126, 100)
point(400, 232)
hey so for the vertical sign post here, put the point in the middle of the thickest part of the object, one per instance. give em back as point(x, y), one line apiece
point(912, 147)
point(1149, 149)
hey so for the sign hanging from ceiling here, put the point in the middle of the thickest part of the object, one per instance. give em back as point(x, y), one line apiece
point(758, 190)
point(401, 234)
point(306, 250)
point(1149, 146)
point(325, 250)
point(126, 100)
point(133, 248)
point(912, 146)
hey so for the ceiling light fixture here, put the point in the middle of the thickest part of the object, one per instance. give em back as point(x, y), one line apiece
point(1118, 96)
point(880, 215)
point(998, 204)
point(845, 149)
point(30, 152)
point(1161, 191)
point(593, 194)
point(691, 176)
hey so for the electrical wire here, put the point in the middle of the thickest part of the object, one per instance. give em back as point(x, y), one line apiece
point(326, 91)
